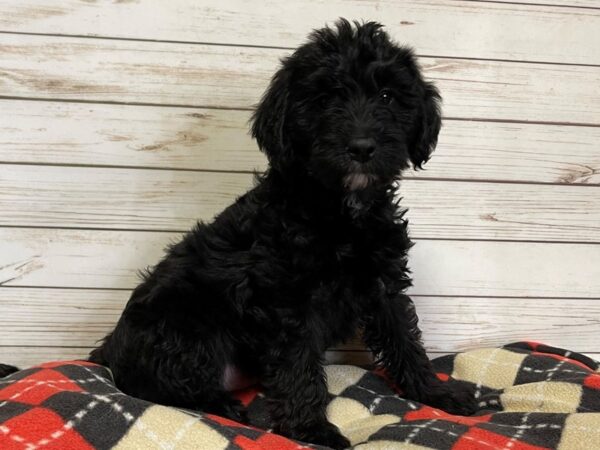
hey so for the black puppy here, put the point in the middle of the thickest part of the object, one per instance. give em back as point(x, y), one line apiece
point(316, 250)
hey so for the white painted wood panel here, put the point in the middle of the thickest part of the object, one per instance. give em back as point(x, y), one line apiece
point(25, 357)
point(115, 198)
point(146, 199)
point(212, 139)
point(437, 27)
point(506, 269)
point(127, 135)
point(80, 317)
point(235, 77)
point(453, 324)
point(111, 259)
point(442, 209)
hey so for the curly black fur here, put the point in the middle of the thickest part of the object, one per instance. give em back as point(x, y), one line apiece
point(316, 250)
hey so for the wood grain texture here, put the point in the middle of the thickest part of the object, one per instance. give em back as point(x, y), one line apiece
point(80, 317)
point(55, 257)
point(212, 139)
point(58, 317)
point(443, 209)
point(145, 199)
point(506, 269)
point(235, 77)
point(127, 135)
point(111, 259)
point(115, 198)
point(437, 27)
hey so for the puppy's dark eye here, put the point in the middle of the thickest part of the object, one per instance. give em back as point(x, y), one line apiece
point(385, 96)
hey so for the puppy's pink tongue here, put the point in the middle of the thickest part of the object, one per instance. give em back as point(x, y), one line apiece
point(356, 181)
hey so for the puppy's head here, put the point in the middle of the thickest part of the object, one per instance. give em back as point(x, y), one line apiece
point(350, 107)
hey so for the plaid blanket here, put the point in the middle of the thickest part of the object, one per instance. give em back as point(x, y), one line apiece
point(531, 396)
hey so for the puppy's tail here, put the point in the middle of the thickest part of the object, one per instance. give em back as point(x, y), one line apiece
point(6, 370)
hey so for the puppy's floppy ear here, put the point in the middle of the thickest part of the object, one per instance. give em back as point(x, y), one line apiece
point(268, 120)
point(427, 127)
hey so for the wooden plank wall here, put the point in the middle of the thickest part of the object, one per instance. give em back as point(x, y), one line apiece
point(122, 122)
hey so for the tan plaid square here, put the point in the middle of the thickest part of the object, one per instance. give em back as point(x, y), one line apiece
point(166, 428)
point(581, 432)
point(340, 377)
point(493, 368)
point(543, 396)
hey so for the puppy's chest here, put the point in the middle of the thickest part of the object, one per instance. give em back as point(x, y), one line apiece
point(338, 254)
point(298, 257)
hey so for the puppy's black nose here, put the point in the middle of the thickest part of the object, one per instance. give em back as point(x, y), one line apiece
point(361, 149)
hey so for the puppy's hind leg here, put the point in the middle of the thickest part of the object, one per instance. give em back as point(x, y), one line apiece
point(205, 390)
point(205, 393)
point(182, 374)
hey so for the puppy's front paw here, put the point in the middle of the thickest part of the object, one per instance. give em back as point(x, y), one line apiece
point(454, 397)
point(322, 433)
